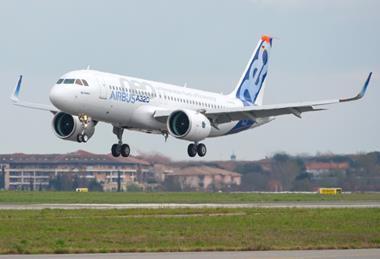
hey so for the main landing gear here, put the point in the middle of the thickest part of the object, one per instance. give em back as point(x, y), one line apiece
point(193, 149)
point(120, 148)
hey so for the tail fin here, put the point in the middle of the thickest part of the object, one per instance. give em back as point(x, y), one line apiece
point(250, 89)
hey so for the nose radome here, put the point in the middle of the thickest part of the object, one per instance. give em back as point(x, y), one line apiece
point(56, 96)
point(53, 94)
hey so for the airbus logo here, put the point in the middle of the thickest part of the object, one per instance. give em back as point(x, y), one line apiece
point(120, 96)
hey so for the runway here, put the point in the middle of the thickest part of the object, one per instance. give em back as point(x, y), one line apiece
point(310, 205)
point(333, 254)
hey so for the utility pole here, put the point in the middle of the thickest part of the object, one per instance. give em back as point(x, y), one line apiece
point(31, 184)
point(2, 177)
point(118, 181)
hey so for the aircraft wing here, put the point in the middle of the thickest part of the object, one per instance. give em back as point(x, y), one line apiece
point(253, 112)
point(16, 100)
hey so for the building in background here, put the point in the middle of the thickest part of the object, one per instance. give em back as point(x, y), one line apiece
point(201, 178)
point(81, 169)
point(318, 168)
point(39, 172)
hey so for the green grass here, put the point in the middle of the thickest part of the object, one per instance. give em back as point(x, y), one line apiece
point(80, 231)
point(166, 197)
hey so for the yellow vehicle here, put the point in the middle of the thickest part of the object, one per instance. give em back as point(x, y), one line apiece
point(330, 191)
point(81, 189)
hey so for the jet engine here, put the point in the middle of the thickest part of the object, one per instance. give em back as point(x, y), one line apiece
point(69, 127)
point(189, 125)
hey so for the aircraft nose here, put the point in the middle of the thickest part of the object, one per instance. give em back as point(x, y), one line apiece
point(56, 96)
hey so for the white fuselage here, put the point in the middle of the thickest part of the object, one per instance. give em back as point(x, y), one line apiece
point(130, 102)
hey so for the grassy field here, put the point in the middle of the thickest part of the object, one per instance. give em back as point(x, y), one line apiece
point(79, 231)
point(165, 197)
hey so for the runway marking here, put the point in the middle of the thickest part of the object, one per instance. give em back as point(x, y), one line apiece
point(309, 205)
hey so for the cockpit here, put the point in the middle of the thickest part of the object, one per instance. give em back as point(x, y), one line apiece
point(71, 81)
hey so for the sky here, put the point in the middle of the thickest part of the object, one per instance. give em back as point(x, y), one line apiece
point(321, 49)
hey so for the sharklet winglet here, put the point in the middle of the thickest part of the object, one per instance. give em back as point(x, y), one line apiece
point(361, 93)
point(16, 92)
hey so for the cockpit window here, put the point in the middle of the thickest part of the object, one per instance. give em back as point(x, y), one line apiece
point(69, 81)
point(78, 82)
point(85, 82)
point(59, 81)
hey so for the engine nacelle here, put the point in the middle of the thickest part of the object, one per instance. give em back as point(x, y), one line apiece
point(68, 127)
point(189, 125)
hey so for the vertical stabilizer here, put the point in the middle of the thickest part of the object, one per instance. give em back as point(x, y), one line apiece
point(250, 89)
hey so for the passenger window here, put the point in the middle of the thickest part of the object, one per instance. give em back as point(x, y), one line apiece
point(78, 82)
point(69, 81)
point(85, 82)
point(59, 81)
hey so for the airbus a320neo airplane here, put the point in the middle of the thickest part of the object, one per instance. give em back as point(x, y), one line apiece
point(82, 98)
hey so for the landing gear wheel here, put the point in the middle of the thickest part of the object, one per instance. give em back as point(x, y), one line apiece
point(82, 138)
point(120, 148)
point(125, 150)
point(192, 150)
point(201, 150)
point(116, 150)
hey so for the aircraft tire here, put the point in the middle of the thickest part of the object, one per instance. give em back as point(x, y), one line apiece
point(125, 150)
point(116, 150)
point(192, 150)
point(201, 150)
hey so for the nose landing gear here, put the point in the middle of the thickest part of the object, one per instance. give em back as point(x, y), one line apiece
point(193, 149)
point(120, 148)
point(82, 138)
point(84, 119)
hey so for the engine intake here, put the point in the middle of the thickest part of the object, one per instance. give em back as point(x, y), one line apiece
point(68, 127)
point(189, 125)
